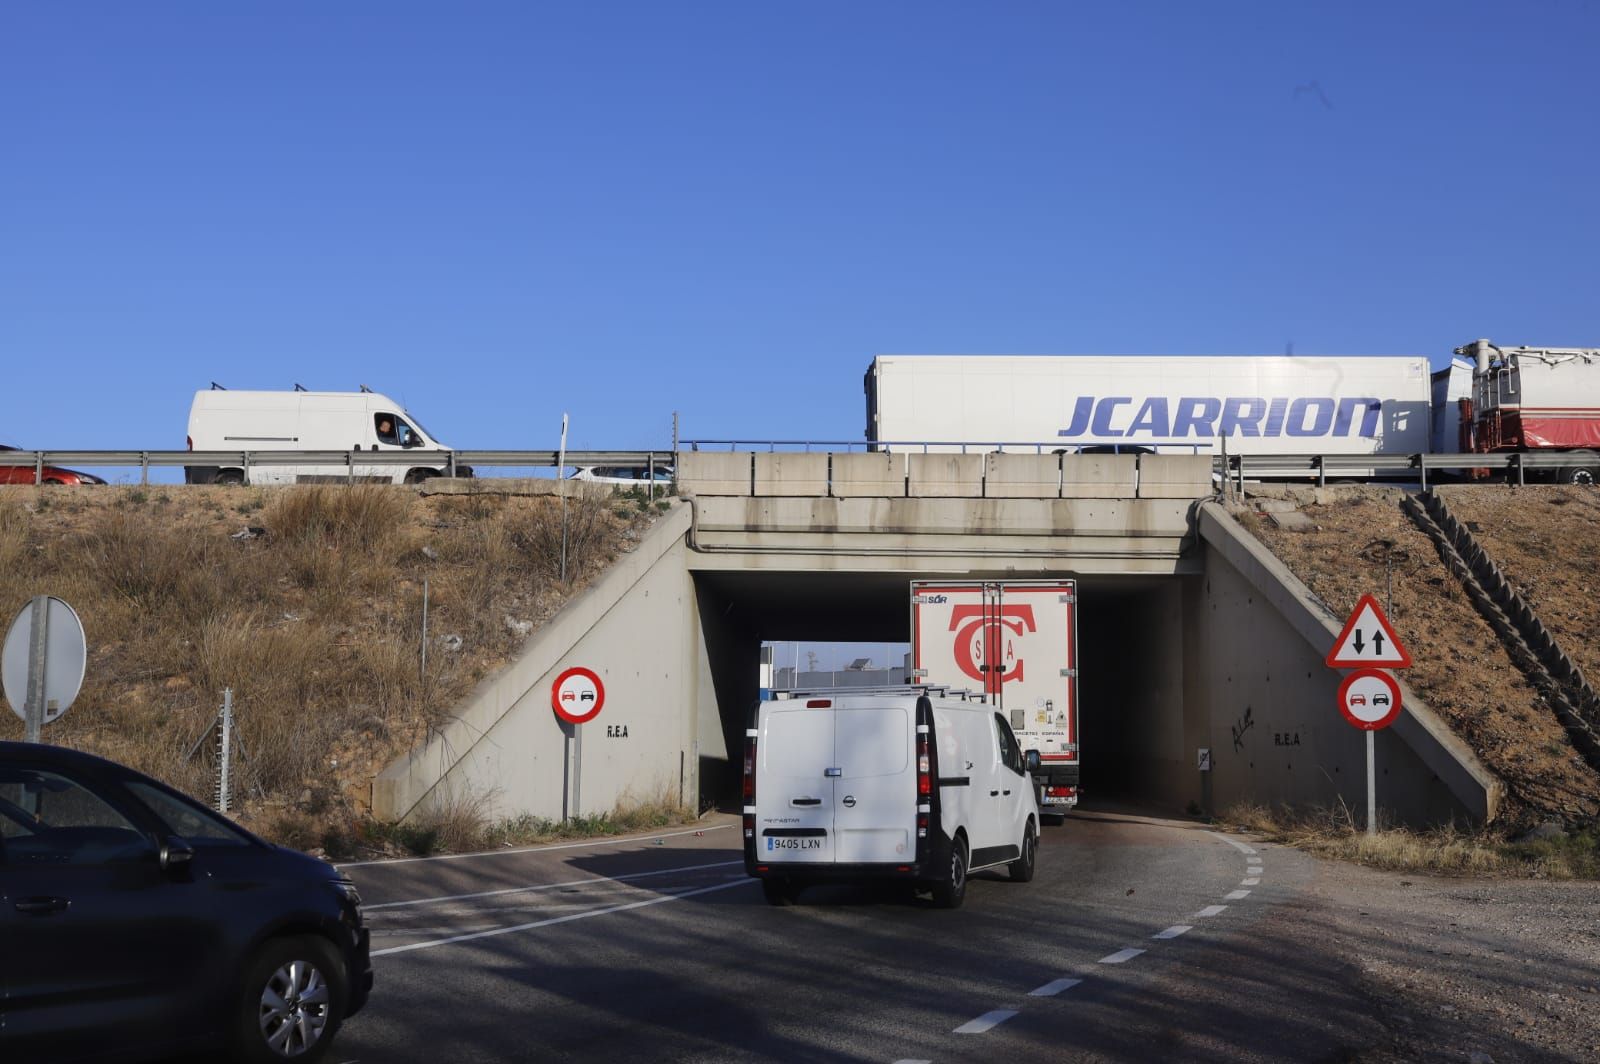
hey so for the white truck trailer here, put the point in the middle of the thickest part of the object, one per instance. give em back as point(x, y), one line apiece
point(1535, 399)
point(1141, 403)
point(222, 419)
point(1016, 642)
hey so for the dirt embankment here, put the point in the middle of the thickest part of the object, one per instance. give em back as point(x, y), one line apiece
point(308, 603)
point(1545, 539)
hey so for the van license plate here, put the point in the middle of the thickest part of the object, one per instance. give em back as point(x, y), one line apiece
point(794, 844)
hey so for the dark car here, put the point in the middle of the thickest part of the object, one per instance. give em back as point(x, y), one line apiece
point(136, 923)
point(28, 474)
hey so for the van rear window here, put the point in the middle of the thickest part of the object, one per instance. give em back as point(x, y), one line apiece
point(872, 742)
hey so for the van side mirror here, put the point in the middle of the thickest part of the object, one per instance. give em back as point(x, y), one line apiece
point(1032, 761)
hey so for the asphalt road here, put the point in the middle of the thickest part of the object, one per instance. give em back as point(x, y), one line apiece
point(1140, 939)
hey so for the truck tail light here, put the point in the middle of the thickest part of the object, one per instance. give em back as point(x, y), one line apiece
point(1061, 792)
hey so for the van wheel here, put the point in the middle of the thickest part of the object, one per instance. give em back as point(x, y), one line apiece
point(1022, 868)
point(292, 1002)
point(779, 891)
point(950, 893)
point(229, 476)
point(417, 476)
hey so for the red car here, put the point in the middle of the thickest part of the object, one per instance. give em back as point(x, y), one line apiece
point(24, 474)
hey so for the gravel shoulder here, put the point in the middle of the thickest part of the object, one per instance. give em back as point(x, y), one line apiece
point(1461, 969)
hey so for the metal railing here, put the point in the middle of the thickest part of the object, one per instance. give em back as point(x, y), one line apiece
point(1236, 467)
point(921, 446)
point(348, 460)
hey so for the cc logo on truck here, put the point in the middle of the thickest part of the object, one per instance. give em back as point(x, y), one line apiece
point(981, 625)
point(849, 801)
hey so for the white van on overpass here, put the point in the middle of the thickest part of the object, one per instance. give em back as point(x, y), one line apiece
point(221, 419)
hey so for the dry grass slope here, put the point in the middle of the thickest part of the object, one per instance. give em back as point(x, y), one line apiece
point(1461, 670)
point(316, 624)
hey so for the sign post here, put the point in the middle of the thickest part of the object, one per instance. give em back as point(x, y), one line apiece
point(1369, 698)
point(42, 663)
point(577, 697)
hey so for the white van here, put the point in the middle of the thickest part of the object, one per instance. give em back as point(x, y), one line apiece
point(911, 784)
point(224, 420)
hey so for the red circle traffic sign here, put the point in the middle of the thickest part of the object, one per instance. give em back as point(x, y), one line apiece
point(1369, 699)
point(577, 695)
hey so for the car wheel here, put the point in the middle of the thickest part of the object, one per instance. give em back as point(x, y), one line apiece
point(950, 893)
point(292, 1002)
point(779, 891)
point(229, 476)
point(1022, 868)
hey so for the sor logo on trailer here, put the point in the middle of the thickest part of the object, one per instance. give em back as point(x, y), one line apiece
point(978, 627)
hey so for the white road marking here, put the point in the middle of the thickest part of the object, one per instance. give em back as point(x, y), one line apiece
point(913, 1062)
point(1211, 910)
point(1236, 895)
point(1174, 931)
point(987, 1021)
point(1253, 869)
point(1054, 988)
point(548, 886)
point(532, 849)
point(1253, 881)
point(741, 881)
point(1121, 956)
point(1235, 843)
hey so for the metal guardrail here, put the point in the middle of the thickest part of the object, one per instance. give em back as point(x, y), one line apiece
point(906, 446)
point(1236, 467)
point(348, 460)
point(1232, 466)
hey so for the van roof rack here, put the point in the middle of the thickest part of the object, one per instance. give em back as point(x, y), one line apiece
point(300, 387)
point(940, 689)
point(217, 387)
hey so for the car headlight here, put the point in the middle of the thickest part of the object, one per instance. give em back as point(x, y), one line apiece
point(347, 890)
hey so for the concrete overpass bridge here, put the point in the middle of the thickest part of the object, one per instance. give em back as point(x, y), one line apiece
point(1192, 637)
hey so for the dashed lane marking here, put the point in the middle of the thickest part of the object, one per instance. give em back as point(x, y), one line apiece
point(1235, 843)
point(548, 886)
point(1174, 931)
point(1122, 956)
point(1236, 895)
point(535, 849)
point(1253, 881)
point(987, 1021)
point(551, 922)
point(1212, 910)
point(1051, 989)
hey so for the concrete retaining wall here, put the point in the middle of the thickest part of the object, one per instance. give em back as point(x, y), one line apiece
point(1258, 695)
point(637, 629)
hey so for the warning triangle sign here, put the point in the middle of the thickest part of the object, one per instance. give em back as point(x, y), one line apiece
point(1368, 641)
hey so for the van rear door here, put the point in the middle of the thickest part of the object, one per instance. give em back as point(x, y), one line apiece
point(875, 819)
point(794, 791)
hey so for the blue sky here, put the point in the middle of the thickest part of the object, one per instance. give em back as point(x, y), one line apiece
point(497, 212)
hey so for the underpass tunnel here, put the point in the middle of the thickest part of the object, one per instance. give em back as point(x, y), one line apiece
point(1131, 655)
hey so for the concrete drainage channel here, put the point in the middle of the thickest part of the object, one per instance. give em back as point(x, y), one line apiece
point(1525, 637)
point(1254, 872)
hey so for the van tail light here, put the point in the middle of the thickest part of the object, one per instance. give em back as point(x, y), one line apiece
point(749, 789)
point(190, 441)
point(924, 766)
point(819, 703)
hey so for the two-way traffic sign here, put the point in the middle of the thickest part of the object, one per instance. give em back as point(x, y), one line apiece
point(1368, 641)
